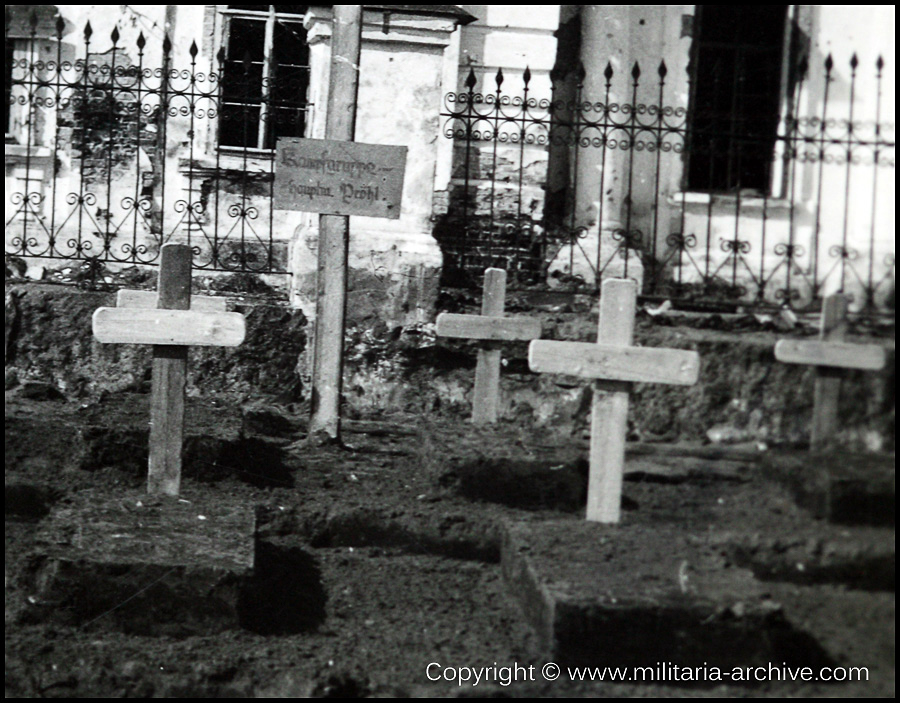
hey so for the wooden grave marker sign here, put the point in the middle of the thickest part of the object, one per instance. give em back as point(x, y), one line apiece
point(613, 364)
point(171, 320)
point(491, 327)
point(830, 355)
point(336, 177)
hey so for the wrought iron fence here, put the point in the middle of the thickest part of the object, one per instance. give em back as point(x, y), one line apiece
point(113, 157)
point(749, 213)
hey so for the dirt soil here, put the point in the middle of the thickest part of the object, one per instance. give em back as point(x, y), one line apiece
point(395, 565)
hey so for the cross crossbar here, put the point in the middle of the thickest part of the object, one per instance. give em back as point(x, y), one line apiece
point(844, 355)
point(188, 328)
point(488, 327)
point(126, 298)
point(614, 363)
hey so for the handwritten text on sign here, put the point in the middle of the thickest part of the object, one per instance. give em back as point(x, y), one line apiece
point(339, 178)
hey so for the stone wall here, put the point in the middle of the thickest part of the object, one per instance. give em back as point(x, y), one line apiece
point(49, 339)
point(743, 394)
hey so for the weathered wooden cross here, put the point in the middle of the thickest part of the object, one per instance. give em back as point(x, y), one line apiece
point(617, 365)
point(492, 327)
point(830, 355)
point(171, 321)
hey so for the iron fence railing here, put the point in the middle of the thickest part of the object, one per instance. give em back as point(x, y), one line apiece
point(113, 157)
point(824, 222)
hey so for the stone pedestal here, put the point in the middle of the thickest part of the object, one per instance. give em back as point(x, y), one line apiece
point(597, 255)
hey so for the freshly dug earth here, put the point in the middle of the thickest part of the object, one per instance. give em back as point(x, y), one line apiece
point(397, 559)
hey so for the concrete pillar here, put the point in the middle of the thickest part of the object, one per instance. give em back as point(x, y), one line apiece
point(624, 189)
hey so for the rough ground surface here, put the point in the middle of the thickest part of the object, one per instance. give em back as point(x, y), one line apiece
point(374, 563)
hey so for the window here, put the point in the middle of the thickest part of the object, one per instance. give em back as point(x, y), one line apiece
point(737, 58)
point(265, 76)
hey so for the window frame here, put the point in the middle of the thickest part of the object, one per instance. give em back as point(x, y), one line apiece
point(270, 18)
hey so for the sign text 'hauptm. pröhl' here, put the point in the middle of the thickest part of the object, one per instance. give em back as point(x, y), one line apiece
point(339, 178)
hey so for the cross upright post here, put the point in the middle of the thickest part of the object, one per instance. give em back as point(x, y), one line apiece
point(171, 327)
point(613, 364)
point(490, 327)
point(831, 355)
point(169, 377)
point(486, 395)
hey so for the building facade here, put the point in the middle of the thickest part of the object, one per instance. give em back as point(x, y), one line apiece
point(740, 155)
point(132, 127)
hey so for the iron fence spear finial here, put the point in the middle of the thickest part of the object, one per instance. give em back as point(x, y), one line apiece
point(471, 80)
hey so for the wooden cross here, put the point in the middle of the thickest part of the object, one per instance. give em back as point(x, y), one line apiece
point(492, 327)
point(830, 355)
point(617, 364)
point(171, 321)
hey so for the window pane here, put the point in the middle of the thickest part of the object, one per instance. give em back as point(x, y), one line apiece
point(242, 83)
point(291, 80)
point(247, 37)
point(239, 125)
point(285, 123)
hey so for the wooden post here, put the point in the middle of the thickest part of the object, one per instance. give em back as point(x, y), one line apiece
point(609, 406)
point(492, 327)
point(828, 379)
point(334, 235)
point(618, 364)
point(169, 376)
point(830, 355)
point(486, 396)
